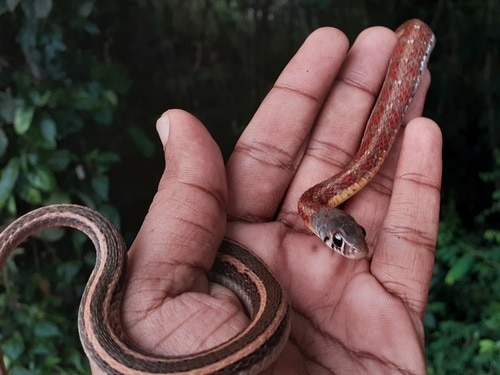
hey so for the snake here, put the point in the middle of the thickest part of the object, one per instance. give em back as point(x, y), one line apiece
point(265, 301)
point(318, 205)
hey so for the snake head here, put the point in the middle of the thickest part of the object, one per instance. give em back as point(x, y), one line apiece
point(340, 232)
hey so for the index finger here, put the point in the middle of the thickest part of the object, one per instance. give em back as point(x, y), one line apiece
point(267, 154)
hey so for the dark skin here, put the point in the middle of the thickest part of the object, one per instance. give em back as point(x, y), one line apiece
point(348, 316)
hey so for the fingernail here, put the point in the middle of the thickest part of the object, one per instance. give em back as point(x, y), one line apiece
point(163, 128)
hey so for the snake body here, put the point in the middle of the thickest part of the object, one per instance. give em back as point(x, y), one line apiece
point(317, 206)
point(99, 323)
point(100, 327)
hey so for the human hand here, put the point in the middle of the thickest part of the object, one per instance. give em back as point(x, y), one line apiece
point(347, 316)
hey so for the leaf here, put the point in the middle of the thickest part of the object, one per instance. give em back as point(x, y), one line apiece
point(31, 195)
point(23, 118)
point(12, 4)
point(11, 206)
point(4, 142)
point(489, 346)
point(42, 8)
point(459, 269)
point(52, 234)
point(48, 129)
point(111, 213)
point(86, 8)
point(8, 107)
point(47, 329)
point(91, 28)
point(8, 180)
point(111, 97)
point(58, 160)
point(13, 347)
point(102, 160)
point(40, 100)
point(51, 361)
point(101, 187)
point(58, 197)
point(492, 235)
point(16, 370)
point(41, 178)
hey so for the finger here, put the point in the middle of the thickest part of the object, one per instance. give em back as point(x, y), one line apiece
point(186, 220)
point(341, 123)
point(267, 153)
point(404, 255)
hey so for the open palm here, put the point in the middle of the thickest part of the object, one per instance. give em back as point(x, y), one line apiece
point(347, 316)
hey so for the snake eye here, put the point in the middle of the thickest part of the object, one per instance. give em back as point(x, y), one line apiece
point(338, 241)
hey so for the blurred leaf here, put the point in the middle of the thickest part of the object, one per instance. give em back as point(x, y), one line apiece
point(459, 269)
point(489, 346)
point(58, 160)
point(13, 346)
point(11, 206)
point(112, 214)
point(92, 28)
point(86, 8)
point(8, 180)
point(52, 234)
point(23, 118)
point(8, 106)
point(492, 235)
point(18, 370)
point(111, 97)
point(46, 330)
point(12, 4)
point(101, 186)
point(41, 178)
point(42, 8)
point(48, 129)
point(40, 100)
point(31, 195)
point(4, 142)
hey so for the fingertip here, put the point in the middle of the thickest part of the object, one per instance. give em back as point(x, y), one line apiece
point(425, 137)
point(314, 66)
point(424, 124)
point(366, 63)
point(190, 151)
point(329, 35)
point(420, 164)
point(175, 117)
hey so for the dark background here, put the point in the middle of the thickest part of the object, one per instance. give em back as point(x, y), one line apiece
point(83, 83)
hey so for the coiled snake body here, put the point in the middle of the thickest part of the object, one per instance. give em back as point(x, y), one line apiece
point(252, 350)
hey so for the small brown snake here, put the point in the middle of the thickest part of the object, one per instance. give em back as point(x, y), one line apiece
point(317, 206)
point(252, 350)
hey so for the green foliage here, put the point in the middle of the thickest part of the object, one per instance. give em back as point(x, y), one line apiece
point(54, 91)
point(463, 315)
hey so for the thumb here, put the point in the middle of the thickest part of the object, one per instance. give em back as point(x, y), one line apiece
point(186, 220)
